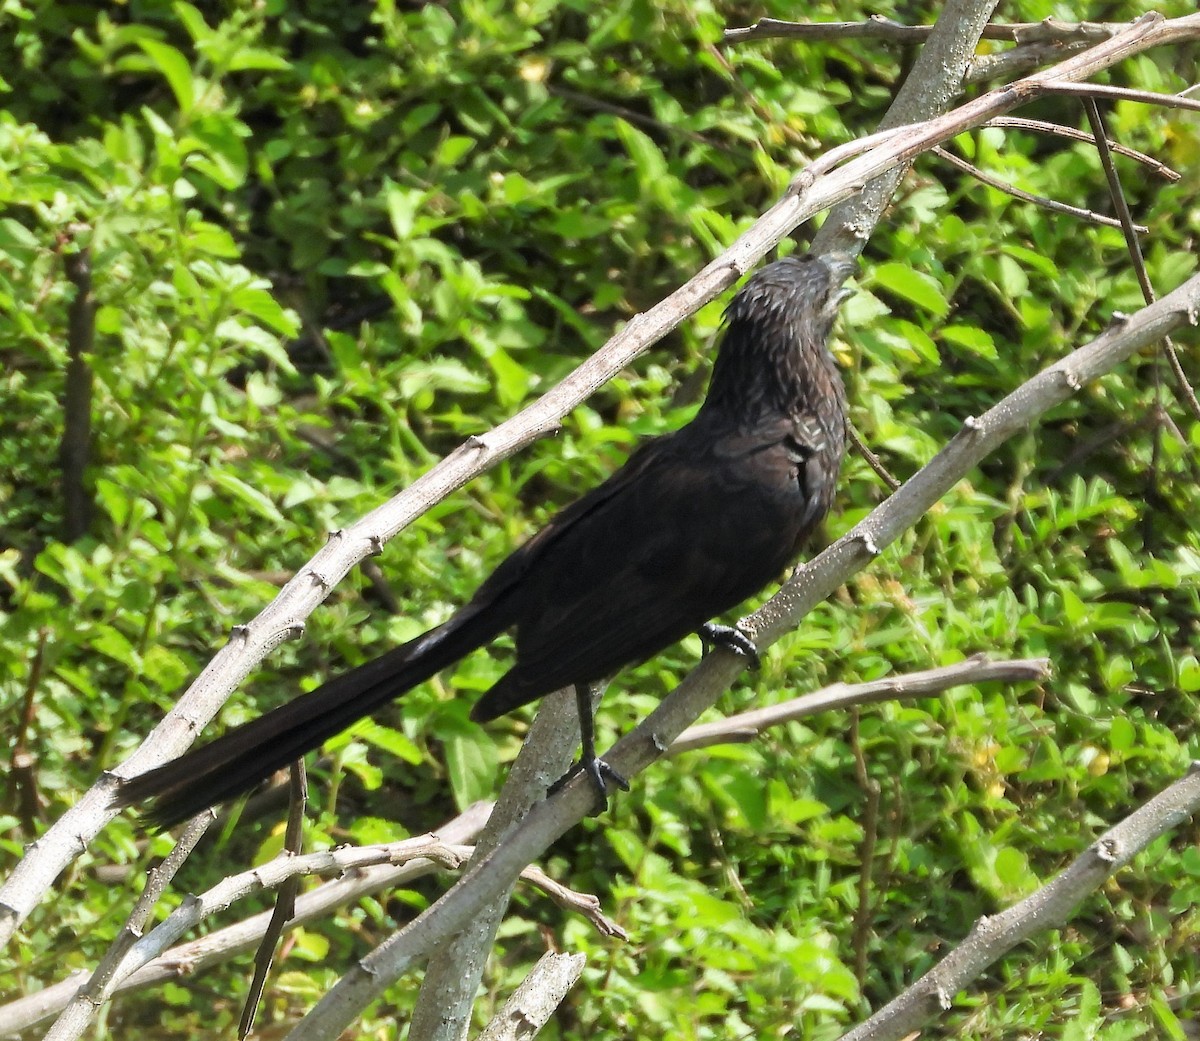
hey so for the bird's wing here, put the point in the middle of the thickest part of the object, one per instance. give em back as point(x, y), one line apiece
point(691, 533)
point(511, 573)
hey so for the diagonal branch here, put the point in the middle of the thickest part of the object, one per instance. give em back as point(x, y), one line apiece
point(79, 1012)
point(1044, 909)
point(1050, 30)
point(1019, 193)
point(745, 726)
point(1041, 126)
point(355, 881)
point(1019, 59)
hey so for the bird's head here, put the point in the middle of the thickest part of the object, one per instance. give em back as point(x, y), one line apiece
point(774, 356)
point(799, 294)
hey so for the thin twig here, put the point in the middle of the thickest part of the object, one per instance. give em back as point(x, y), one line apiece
point(1117, 194)
point(1185, 388)
point(1115, 191)
point(745, 726)
point(27, 804)
point(586, 905)
point(285, 898)
point(1147, 97)
point(866, 857)
point(1100, 132)
point(873, 461)
point(582, 100)
point(1018, 193)
point(1042, 126)
point(860, 937)
point(75, 448)
point(879, 28)
point(1019, 59)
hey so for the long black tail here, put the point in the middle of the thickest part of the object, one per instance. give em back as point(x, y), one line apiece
point(235, 762)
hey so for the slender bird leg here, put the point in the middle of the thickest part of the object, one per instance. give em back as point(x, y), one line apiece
point(598, 771)
point(732, 639)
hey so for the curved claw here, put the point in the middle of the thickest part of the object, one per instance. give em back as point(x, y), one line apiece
point(732, 639)
point(600, 774)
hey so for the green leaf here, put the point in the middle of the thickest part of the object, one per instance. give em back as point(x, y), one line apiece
point(115, 645)
point(388, 740)
point(512, 380)
point(1189, 673)
point(977, 341)
point(193, 21)
point(247, 59)
point(647, 159)
point(576, 224)
point(1168, 1022)
point(402, 206)
point(1012, 868)
point(914, 286)
point(248, 495)
point(1121, 735)
point(258, 302)
point(308, 945)
point(472, 765)
point(453, 148)
point(174, 68)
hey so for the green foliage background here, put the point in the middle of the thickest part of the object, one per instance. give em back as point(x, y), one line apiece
point(329, 241)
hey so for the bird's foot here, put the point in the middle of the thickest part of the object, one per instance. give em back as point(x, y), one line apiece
point(732, 639)
point(600, 774)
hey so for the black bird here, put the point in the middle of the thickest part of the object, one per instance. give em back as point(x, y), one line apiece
point(694, 523)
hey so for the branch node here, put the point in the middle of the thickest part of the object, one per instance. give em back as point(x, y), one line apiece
point(294, 631)
point(1071, 379)
point(660, 746)
point(319, 580)
point(241, 632)
point(376, 542)
point(335, 534)
point(478, 443)
point(972, 423)
point(1107, 850)
point(869, 544)
point(801, 182)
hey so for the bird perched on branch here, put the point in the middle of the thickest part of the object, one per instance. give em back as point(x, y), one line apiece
point(694, 523)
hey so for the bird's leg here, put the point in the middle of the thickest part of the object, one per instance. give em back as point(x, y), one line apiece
point(732, 639)
point(597, 770)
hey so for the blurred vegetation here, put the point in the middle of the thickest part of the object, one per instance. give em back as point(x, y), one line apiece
point(328, 241)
